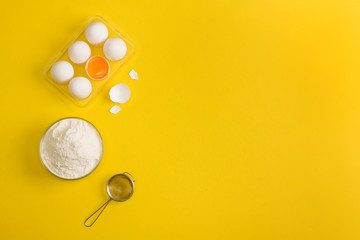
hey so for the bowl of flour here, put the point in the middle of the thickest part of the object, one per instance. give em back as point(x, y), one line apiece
point(71, 148)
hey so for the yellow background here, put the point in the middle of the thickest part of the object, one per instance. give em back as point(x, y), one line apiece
point(244, 123)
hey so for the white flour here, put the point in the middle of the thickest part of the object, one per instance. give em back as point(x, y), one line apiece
point(71, 148)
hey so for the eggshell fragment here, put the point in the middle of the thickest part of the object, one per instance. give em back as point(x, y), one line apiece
point(120, 93)
point(133, 75)
point(115, 109)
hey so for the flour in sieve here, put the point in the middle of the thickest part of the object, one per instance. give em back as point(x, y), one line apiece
point(71, 148)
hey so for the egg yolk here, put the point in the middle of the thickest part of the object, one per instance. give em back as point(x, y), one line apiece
point(97, 67)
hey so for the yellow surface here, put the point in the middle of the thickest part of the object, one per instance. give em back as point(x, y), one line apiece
point(244, 123)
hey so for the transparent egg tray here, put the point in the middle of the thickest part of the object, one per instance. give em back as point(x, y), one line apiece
point(79, 69)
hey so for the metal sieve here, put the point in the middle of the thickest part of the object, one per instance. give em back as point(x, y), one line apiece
point(120, 188)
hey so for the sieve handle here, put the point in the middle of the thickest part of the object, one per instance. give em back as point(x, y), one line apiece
point(102, 208)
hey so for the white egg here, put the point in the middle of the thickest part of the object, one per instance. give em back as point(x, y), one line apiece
point(79, 52)
point(62, 71)
point(96, 33)
point(80, 87)
point(120, 93)
point(115, 49)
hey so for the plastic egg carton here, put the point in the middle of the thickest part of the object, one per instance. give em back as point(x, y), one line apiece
point(79, 69)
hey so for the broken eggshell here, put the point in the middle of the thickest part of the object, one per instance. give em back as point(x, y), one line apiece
point(120, 93)
point(133, 75)
point(115, 109)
